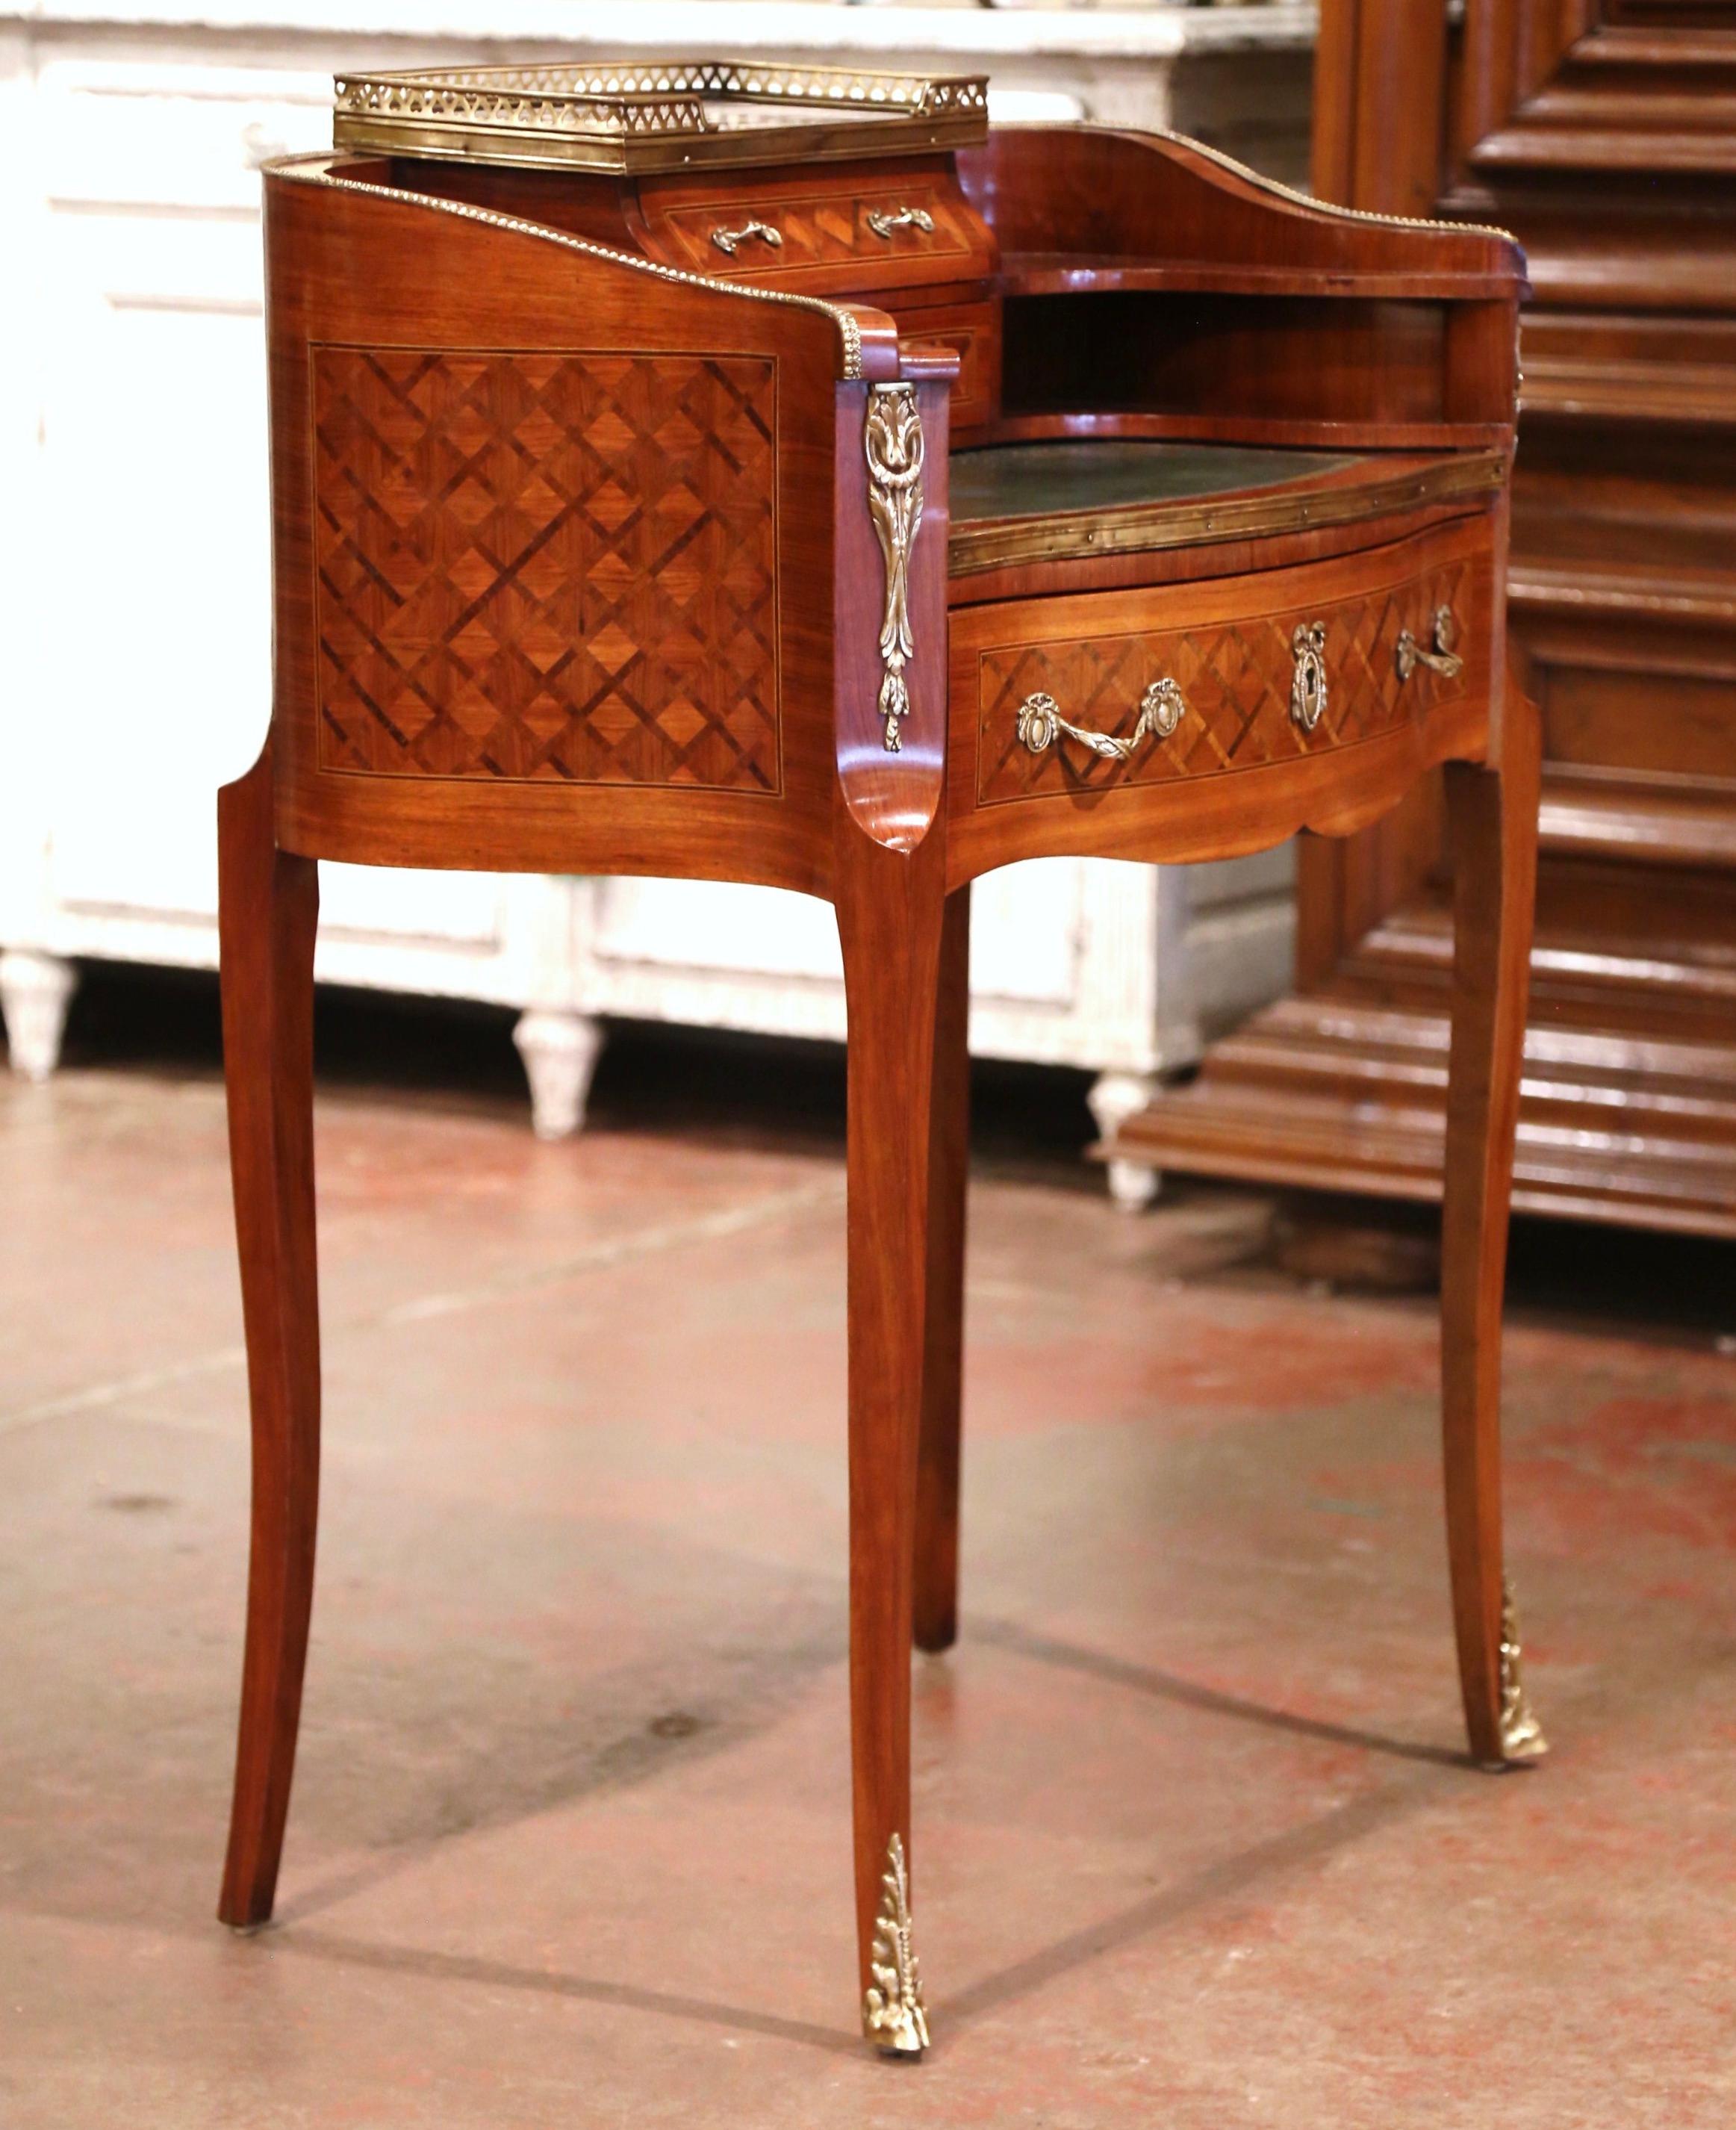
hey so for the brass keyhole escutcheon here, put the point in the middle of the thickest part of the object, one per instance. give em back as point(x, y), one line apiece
point(1307, 676)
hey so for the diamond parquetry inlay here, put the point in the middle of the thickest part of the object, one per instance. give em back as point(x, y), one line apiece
point(1235, 678)
point(550, 566)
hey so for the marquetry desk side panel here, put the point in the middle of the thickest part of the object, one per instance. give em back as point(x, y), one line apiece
point(554, 564)
point(478, 435)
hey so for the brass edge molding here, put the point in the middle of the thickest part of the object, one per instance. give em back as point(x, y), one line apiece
point(893, 2014)
point(653, 117)
point(997, 543)
point(1329, 209)
point(305, 170)
point(506, 148)
point(892, 442)
point(1521, 1735)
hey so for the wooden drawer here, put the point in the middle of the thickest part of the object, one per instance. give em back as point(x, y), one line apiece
point(855, 228)
point(1236, 650)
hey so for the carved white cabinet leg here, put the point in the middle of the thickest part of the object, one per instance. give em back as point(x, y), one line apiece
point(1115, 1097)
point(34, 992)
point(560, 1052)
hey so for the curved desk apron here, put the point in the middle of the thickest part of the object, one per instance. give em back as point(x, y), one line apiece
point(587, 561)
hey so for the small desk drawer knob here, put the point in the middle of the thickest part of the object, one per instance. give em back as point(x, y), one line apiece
point(1040, 723)
point(1407, 654)
point(726, 240)
point(1308, 675)
point(905, 218)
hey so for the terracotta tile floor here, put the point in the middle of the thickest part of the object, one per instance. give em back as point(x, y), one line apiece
point(568, 1843)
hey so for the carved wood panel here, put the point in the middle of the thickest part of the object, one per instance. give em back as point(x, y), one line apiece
point(544, 566)
point(1596, 87)
point(1235, 678)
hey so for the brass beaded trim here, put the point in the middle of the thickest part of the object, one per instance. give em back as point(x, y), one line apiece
point(1329, 206)
point(849, 332)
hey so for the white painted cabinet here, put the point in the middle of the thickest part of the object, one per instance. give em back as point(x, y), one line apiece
point(134, 579)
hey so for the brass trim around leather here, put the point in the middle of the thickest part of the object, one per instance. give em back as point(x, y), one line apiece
point(994, 543)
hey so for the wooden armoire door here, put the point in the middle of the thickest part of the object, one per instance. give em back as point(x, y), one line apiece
point(1603, 133)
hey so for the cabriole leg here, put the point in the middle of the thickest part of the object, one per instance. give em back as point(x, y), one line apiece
point(268, 910)
point(1492, 817)
point(890, 922)
point(949, 1153)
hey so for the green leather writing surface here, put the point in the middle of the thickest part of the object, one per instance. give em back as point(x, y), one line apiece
point(1032, 480)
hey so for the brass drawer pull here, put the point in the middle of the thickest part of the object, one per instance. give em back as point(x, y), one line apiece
point(907, 218)
point(726, 240)
point(1040, 722)
point(1407, 654)
point(1308, 675)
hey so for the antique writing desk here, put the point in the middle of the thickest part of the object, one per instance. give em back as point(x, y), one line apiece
point(776, 477)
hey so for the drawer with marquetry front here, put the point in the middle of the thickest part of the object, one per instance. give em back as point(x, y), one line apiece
point(1065, 699)
point(836, 231)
